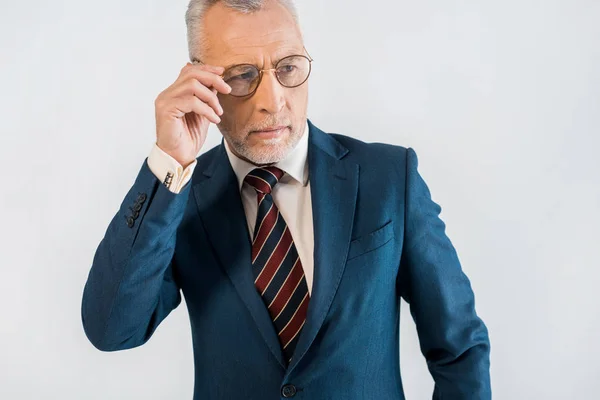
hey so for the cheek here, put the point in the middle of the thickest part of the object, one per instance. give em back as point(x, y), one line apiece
point(225, 102)
point(231, 110)
point(298, 99)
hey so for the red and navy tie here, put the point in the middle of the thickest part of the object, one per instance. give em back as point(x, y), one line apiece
point(278, 273)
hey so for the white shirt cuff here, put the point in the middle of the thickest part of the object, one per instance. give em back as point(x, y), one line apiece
point(168, 170)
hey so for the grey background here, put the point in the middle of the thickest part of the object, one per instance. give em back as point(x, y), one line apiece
point(499, 99)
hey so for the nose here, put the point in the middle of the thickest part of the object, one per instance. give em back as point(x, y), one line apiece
point(269, 96)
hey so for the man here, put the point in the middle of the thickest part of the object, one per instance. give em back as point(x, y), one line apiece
point(292, 246)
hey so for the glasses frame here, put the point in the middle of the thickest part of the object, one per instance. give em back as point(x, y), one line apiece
point(261, 71)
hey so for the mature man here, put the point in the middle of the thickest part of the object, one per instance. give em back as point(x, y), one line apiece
point(292, 246)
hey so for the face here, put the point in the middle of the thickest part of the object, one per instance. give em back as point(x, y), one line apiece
point(261, 38)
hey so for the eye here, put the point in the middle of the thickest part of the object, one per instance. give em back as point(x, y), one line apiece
point(242, 73)
point(286, 69)
point(245, 76)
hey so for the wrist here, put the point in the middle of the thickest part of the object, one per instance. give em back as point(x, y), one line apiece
point(181, 161)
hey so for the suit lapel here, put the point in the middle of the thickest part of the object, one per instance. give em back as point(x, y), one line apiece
point(334, 188)
point(222, 213)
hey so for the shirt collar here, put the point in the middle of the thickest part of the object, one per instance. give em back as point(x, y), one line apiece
point(295, 164)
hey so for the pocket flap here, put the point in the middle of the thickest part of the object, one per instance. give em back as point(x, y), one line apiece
point(371, 241)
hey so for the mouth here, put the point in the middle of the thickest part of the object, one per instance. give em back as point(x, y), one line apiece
point(270, 132)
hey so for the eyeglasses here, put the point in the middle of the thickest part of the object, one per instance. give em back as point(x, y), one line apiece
point(291, 71)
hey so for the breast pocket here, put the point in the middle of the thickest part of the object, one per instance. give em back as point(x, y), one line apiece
point(371, 241)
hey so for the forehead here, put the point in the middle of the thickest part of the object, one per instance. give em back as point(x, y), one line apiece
point(231, 36)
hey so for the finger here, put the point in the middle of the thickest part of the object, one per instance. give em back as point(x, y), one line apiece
point(212, 68)
point(202, 67)
point(208, 67)
point(193, 104)
point(195, 88)
point(207, 78)
point(215, 92)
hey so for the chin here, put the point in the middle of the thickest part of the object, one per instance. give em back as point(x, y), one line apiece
point(261, 151)
point(268, 152)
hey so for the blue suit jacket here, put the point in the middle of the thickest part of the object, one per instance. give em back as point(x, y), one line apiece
point(378, 236)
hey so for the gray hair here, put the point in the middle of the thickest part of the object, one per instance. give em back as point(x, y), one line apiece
point(197, 8)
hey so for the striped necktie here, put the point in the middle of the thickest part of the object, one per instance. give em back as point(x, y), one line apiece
point(278, 273)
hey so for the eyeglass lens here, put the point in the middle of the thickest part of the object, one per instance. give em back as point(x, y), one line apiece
point(290, 71)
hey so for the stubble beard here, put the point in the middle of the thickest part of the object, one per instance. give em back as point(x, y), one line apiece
point(270, 151)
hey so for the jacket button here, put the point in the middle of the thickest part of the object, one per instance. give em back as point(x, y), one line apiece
point(130, 222)
point(137, 207)
point(288, 391)
point(142, 197)
point(135, 214)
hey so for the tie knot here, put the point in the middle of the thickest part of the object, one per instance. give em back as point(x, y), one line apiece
point(264, 179)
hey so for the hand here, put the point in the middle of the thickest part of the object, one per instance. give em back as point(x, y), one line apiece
point(185, 109)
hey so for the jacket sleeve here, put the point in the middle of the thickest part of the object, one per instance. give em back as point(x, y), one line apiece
point(131, 287)
point(453, 339)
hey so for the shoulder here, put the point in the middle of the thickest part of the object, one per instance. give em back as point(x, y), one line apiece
point(375, 155)
point(357, 145)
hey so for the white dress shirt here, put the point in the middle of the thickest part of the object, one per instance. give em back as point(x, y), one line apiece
point(291, 194)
